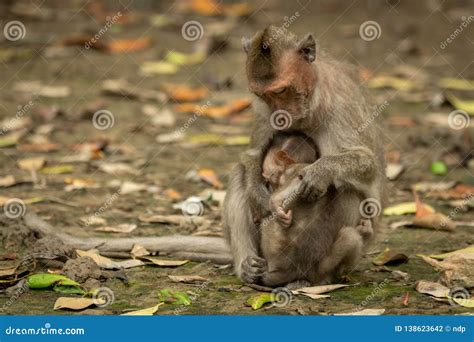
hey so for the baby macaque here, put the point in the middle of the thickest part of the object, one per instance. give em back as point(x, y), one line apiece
point(289, 230)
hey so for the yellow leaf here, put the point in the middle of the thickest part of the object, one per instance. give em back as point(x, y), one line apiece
point(464, 105)
point(159, 67)
point(179, 58)
point(165, 262)
point(466, 302)
point(467, 250)
point(456, 83)
point(391, 82)
point(57, 170)
point(404, 209)
point(144, 312)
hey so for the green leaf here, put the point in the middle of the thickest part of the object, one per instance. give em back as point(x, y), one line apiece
point(173, 297)
point(456, 83)
point(8, 142)
point(257, 301)
point(439, 168)
point(45, 280)
point(464, 105)
point(67, 289)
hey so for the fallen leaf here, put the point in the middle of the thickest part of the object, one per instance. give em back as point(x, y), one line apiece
point(144, 312)
point(45, 280)
point(118, 169)
point(36, 87)
point(172, 194)
point(7, 181)
point(364, 312)
point(434, 221)
point(183, 93)
point(464, 105)
point(320, 289)
point(433, 289)
point(120, 87)
point(120, 228)
point(72, 303)
point(456, 83)
point(439, 168)
point(180, 220)
point(139, 251)
point(390, 257)
point(8, 141)
point(460, 252)
point(199, 140)
point(169, 138)
point(158, 68)
point(32, 164)
point(163, 117)
point(258, 301)
point(107, 263)
point(129, 45)
point(465, 302)
point(189, 279)
point(180, 58)
point(57, 170)
point(433, 186)
point(210, 177)
point(397, 83)
point(43, 147)
point(173, 297)
point(79, 184)
point(460, 191)
point(456, 270)
point(130, 187)
point(166, 262)
point(404, 209)
point(392, 171)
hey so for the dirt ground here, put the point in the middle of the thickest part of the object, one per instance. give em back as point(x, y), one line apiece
point(52, 52)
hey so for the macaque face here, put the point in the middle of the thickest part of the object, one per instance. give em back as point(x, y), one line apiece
point(292, 87)
point(273, 168)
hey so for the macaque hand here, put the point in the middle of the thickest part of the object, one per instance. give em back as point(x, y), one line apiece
point(284, 219)
point(315, 182)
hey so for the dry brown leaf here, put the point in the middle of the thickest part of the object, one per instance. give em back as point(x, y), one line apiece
point(128, 45)
point(118, 169)
point(460, 191)
point(107, 263)
point(390, 257)
point(32, 164)
point(43, 147)
point(7, 181)
point(189, 279)
point(433, 289)
point(434, 221)
point(144, 312)
point(210, 177)
point(120, 228)
point(364, 312)
point(166, 262)
point(139, 251)
point(320, 289)
point(456, 270)
point(172, 194)
point(183, 93)
point(179, 220)
point(73, 303)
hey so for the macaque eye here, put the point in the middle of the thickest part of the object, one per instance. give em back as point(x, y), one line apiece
point(279, 90)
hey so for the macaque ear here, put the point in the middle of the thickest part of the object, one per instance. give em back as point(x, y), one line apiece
point(284, 158)
point(307, 48)
point(246, 44)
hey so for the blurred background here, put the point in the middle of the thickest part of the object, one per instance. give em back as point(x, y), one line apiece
point(114, 111)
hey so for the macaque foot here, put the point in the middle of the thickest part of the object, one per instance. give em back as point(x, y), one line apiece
point(253, 267)
point(284, 219)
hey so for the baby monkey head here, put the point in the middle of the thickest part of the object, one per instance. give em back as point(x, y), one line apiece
point(280, 69)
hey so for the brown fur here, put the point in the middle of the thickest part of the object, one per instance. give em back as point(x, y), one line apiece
point(327, 105)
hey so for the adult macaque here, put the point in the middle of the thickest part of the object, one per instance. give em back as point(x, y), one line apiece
point(312, 94)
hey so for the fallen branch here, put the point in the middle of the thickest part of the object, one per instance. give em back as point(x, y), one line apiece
point(196, 248)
